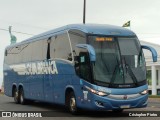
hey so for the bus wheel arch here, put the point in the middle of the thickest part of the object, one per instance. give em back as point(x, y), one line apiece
point(13, 88)
point(20, 87)
point(68, 91)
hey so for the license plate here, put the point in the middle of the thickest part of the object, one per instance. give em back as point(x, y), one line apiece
point(125, 106)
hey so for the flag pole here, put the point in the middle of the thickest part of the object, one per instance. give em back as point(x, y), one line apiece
point(84, 12)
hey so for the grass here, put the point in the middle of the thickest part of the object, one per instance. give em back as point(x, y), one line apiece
point(154, 96)
point(1, 93)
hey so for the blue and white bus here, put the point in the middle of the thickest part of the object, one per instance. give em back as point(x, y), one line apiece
point(88, 66)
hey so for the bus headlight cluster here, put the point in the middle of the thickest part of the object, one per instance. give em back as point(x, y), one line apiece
point(100, 93)
point(144, 92)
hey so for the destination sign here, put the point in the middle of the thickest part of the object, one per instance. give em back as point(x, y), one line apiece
point(101, 39)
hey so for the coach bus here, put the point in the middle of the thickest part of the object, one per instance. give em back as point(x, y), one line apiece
point(87, 66)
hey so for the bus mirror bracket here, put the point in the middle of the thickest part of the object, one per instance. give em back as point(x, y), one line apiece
point(153, 51)
point(90, 49)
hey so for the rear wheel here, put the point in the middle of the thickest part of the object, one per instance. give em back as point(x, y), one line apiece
point(72, 103)
point(21, 97)
point(16, 95)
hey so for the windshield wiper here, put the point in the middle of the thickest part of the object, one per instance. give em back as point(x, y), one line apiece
point(128, 69)
point(114, 73)
point(132, 75)
point(122, 67)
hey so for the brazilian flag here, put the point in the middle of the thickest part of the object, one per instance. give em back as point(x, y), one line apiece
point(127, 24)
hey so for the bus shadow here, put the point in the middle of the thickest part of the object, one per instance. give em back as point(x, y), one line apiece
point(102, 114)
point(54, 110)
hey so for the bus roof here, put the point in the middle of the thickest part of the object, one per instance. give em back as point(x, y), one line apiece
point(98, 29)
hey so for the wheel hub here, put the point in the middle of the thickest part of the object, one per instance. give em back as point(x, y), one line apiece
point(73, 104)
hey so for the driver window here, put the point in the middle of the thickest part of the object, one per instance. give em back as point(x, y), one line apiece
point(82, 65)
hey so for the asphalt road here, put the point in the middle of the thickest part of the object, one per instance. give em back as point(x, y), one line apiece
point(7, 104)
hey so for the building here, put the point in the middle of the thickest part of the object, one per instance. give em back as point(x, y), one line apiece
point(153, 69)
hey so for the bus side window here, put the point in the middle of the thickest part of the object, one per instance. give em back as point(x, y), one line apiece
point(37, 51)
point(60, 47)
point(141, 61)
point(9, 58)
point(6, 56)
point(76, 37)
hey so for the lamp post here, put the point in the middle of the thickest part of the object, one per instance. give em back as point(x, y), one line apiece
point(84, 12)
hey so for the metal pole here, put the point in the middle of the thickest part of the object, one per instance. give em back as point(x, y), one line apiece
point(154, 80)
point(84, 12)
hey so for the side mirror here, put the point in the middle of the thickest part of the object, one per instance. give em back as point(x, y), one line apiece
point(153, 51)
point(90, 50)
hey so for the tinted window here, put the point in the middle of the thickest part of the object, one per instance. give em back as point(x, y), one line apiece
point(128, 46)
point(13, 55)
point(26, 52)
point(77, 37)
point(60, 47)
point(9, 57)
point(37, 50)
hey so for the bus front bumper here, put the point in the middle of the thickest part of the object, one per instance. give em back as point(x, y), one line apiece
point(106, 103)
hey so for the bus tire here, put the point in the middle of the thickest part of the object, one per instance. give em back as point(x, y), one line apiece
point(72, 104)
point(16, 96)
point(21, 97)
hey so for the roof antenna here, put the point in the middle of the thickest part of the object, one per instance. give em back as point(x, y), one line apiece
point(84, 12)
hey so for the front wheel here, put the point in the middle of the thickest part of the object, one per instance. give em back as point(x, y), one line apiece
point(72, 104)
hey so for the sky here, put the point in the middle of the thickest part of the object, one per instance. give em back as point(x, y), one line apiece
point(37, 16)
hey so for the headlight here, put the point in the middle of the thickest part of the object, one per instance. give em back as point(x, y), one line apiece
point(100, 93)
point(144, 92)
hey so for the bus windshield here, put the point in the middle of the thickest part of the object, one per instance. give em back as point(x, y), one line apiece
point(119, 61)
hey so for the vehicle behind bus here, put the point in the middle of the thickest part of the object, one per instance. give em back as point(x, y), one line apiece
point(96, 67)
